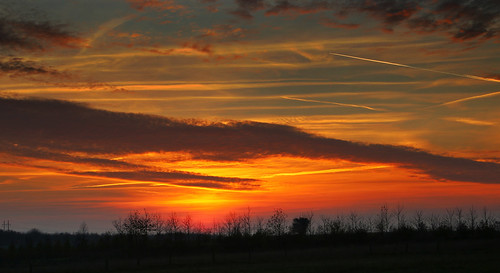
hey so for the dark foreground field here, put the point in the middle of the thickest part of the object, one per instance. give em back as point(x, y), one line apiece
point(447, 256)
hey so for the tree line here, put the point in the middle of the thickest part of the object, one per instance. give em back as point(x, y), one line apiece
point(458, 220)
point(142, 234)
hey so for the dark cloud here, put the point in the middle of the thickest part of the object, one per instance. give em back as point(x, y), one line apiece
point(24, 32)
point(491, 76)
point(161, 5)
point(28, 34)
point(462, 20)
point(391, 12)
point(286, 6)
point(335, 24)
point(465, 20)
point(247, 7)
point(19, 67)
point(65, 127)
point(212, 5)
point(19, 151)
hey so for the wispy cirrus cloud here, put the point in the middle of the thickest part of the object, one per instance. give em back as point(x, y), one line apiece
point(69, 128)
point(471, 121)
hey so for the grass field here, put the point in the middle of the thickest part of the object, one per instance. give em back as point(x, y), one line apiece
point(450, 256)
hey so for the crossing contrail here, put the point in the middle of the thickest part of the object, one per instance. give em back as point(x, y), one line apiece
point(334, 103)
point(418, 68)
point(472, 98)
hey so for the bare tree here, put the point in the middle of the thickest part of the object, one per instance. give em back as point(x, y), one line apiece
point(450, 218)
point(136, 223)
point(82, 234)
point(400, 217)
point(418, 221)
point(354, 222)
point(370, 224)
point(157, 223)
point(173, 224)
point(259, 226)
point(472, 221)
point(332, 226)
point(83, 229)
point(435, 221)
point(383, 220)
point(200, 228)
point(187, 224)
point(217, 228)
point(276, 224)
point(232, 224)
point(487, 220)
point(461, 224)
point(246, 223)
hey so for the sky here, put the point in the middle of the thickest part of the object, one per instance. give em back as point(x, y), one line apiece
point(206, 107)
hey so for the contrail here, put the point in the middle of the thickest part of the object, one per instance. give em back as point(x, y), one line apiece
point(334, 103)
point(471, 98)
point(104, 28)
point(418, 68)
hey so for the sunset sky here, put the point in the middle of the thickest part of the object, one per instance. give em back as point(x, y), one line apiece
point(205, 107)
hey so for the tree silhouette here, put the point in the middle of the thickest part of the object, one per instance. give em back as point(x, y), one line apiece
point(383, 224)
point(300, 225)
point(137, 223)
point(276, 224)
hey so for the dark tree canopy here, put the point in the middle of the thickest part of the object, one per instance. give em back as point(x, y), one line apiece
point(300, 225)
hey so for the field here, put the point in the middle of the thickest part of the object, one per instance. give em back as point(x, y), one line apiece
point(445, 256)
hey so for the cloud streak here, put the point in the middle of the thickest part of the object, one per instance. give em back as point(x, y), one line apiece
point(178, 178)
point(419, 68)
point(68, 128)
